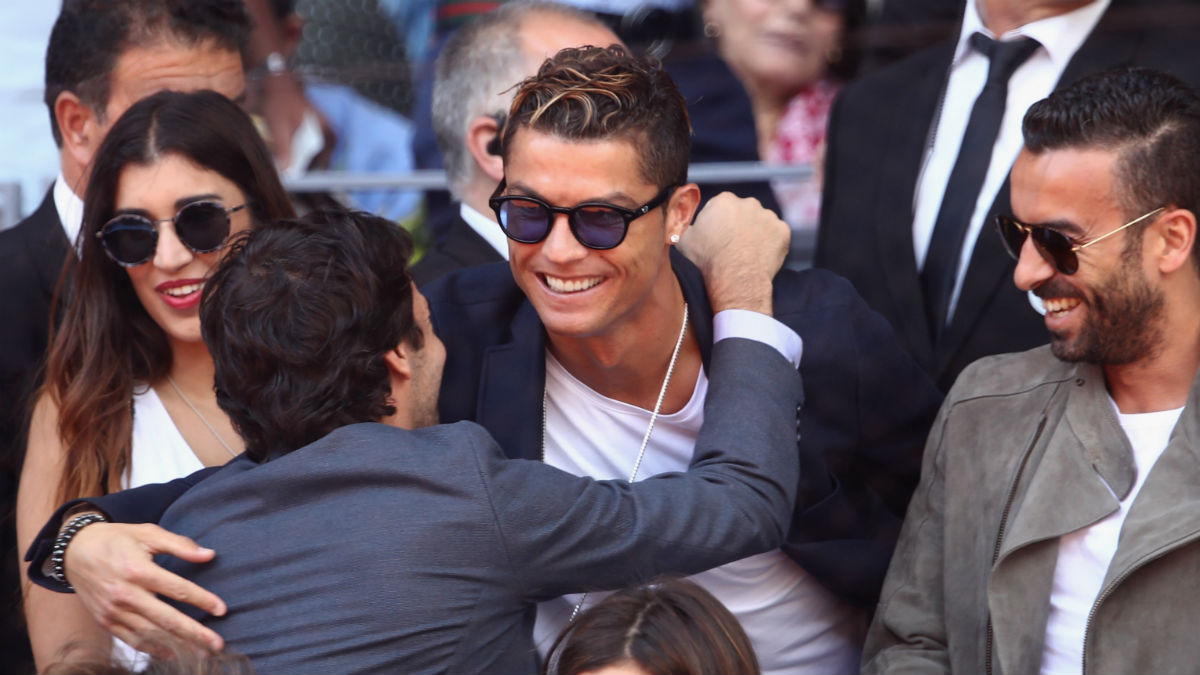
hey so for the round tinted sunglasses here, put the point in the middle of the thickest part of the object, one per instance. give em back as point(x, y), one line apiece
point(130, 240)
point(596, 225)
point(1054, 246)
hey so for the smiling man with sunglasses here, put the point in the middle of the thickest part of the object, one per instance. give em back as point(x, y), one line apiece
point(1057, 526)
point(595, 359)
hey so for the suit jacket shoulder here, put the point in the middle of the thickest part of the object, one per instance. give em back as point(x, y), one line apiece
point(458, 247)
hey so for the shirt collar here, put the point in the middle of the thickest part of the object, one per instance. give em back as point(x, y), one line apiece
point(70, 209)
point(1061, 36)
point(485, 227)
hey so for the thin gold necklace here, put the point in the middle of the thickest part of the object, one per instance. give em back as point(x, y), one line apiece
point(200, 415)
point(637, 464)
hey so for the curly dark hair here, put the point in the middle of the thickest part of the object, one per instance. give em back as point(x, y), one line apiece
point(602, 93)
point(1151, 119)
point(90, 35)
point(298, 318)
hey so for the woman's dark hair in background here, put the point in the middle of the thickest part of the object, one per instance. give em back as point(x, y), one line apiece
point(107, 341)
point(297, 319)
point(672, 626)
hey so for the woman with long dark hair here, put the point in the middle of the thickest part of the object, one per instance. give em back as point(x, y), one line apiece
point(128, 395)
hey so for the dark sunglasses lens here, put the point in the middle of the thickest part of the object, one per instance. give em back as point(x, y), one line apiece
point(202, 226)
point(129, 240)
point(524, 221)
point(1056, 249)
point(599, 227)
point(1012, 235)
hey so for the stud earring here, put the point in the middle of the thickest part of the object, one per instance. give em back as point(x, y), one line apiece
point(674, 239)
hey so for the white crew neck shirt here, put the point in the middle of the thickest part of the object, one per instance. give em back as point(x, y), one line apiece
point(1084, 555)
point(1060, 37)
point(795, 624)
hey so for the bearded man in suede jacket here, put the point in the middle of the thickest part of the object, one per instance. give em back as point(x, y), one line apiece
point(1057, 524)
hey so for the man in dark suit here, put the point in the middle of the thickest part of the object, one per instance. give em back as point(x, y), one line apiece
point(473, 84)
point(894, 147)
point(446, 544)
point(101, 58)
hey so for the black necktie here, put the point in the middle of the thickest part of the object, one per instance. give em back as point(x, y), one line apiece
point(966, 179)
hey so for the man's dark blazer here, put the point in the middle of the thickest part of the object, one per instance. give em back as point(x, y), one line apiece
point(383, 550)
point(31, 259)
point(878, 133)
point(457, 246)
point(868, 404)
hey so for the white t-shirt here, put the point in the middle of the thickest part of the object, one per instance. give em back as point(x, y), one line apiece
point(1084, 555)
point(795, 624)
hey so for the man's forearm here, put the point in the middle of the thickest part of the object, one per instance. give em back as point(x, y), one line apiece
point(144, 504)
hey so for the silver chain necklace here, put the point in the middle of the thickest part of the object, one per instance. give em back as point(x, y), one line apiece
point(199, 414)
point(662, 393)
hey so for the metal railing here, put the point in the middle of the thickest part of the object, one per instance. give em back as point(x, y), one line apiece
point(718, 172)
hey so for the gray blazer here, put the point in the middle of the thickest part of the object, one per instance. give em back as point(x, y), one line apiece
point(379, 549)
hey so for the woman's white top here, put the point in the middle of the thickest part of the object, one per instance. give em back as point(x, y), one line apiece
point(159, 452)
point(159, 455)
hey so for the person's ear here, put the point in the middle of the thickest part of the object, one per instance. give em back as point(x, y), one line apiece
point(80, 129)
point(681, 209)
point(483, 142)
point(399, 362)
point(1176, 230)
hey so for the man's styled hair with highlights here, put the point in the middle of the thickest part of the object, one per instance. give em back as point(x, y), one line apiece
point(598, 94)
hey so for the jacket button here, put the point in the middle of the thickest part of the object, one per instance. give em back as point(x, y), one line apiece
point(1079, 381)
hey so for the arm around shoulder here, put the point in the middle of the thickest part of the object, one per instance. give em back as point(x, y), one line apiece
point(566, 533)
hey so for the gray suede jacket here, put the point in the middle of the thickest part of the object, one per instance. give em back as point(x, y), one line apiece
point(1026, 449)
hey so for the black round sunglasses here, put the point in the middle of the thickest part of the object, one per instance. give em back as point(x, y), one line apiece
point(596, 225)
point(130, 239)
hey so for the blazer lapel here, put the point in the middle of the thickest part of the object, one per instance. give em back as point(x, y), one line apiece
point(987, 274)
point(700, 313)
point(902, 160)
point(468, 247)
point(48, 244)
point(511, 385)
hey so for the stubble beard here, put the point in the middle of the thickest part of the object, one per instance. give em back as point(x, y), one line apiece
point(1124, 321)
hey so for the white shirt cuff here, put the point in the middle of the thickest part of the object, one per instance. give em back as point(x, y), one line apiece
point(743, 323)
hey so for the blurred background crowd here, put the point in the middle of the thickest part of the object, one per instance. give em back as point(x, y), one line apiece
point(760, 76)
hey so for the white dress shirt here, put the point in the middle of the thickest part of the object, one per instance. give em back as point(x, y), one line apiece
point(70, 209)
point(1060, 37)
point(485, 227)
